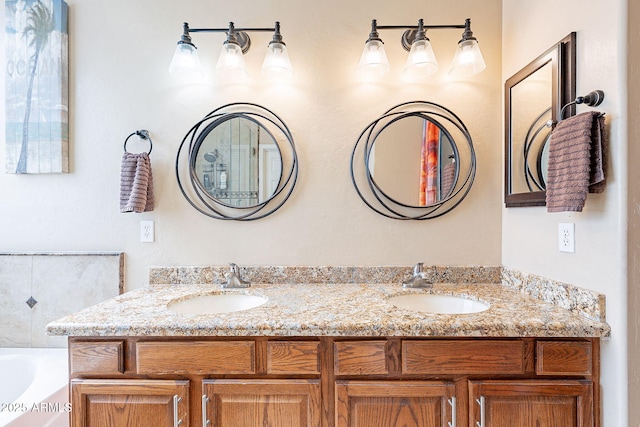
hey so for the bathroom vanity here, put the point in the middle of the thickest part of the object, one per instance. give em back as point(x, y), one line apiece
point(332, 355)
point(334, 381)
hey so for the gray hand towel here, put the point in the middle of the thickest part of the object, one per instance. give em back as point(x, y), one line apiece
point(577, 162)
point(136, 183)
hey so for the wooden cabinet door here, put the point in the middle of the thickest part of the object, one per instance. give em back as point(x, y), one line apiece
point(395, 403)
point(140, 403)
point(531, 403)
point(262, 403)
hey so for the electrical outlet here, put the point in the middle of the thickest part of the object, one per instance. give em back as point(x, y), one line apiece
point(147, 234)
point(567, 237)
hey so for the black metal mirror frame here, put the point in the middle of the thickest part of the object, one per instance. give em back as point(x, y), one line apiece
point(370, 193)
point(198, 197)
point(563, 59)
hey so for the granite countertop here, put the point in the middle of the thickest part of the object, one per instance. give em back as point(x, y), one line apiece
point(328, 310)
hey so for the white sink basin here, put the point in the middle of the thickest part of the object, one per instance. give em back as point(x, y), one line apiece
point(218, 303)
point(440, 304)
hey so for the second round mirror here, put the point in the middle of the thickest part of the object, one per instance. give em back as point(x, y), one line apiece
point(413, 161)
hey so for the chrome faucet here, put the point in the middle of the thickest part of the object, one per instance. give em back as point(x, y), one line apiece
point(418, 279)
point(233, 278)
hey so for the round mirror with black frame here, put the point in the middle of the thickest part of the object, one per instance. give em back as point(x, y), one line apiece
point(416, 161)
point(238, 163)
point(534, 97)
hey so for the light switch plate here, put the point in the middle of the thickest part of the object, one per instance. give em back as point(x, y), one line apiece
point(567, 237)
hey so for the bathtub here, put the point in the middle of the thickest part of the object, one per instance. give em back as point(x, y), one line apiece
point(34, 387)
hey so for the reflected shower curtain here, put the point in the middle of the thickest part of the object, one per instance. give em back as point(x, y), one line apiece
point(429, 164)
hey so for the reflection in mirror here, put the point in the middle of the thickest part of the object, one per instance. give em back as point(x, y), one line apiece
point(238, 162)
point(414, 162)
point(531, 122)
point(534, 97)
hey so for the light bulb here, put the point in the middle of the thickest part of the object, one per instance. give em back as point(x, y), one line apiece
point(276, 63)
point(421, 61)
point(186, 62)
point(231, 63)
point(373, 62)
point(468, 59)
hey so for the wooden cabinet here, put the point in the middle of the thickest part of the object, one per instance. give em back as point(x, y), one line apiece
point(264, 403)
point(395, 403)
point(532, 403)
point(140, 403)
point(334, 382)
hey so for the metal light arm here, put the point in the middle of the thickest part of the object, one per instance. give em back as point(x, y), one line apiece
point(239, 35)
point(409, 35)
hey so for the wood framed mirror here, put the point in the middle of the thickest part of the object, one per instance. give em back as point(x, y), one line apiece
point(534, 98)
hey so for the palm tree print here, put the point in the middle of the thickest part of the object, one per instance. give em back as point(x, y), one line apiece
point(40, 24)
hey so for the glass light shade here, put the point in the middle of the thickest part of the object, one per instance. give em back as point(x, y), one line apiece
point(467, 60)
point(373, 62)
point(186, 62)
point(276, 63)
point(421, 61)
point(231, 63)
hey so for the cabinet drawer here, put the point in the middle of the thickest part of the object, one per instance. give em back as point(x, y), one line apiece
point(100, 357)
point(463, 357)
point(199, 357)
point(361, 358)
point(563, 358)
point(292, 357)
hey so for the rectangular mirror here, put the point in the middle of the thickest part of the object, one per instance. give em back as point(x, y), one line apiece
point(534, 98)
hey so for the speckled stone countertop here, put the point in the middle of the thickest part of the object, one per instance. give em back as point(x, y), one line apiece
point(328, 310)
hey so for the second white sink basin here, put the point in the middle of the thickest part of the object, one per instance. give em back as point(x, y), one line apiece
point(216, 304)
point(439, 304)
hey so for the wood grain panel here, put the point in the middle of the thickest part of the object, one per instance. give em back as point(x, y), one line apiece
point(463, 357)
point(272, 403)
point(563, 358)
point(532, 403)
point(140, 403)
point(198, 357)
point(293, 357)
point(393, 403)
point(360, 358)
point(99, 357)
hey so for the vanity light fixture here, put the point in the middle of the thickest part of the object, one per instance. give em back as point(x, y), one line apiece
point(421, 61)
point(231, 64)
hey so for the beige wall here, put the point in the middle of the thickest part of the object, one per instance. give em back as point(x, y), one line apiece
point(530, 235)
point(120, 51)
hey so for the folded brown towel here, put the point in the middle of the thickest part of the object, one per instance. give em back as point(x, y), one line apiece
point(577, 162)
point(136, 183)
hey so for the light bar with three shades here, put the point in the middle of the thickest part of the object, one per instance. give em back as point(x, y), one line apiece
point(231, 64)
point(421, 61)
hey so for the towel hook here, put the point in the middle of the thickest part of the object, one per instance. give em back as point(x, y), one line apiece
point(592, 99)
point(143, 134)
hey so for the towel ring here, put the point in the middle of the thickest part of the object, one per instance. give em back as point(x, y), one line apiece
point(592, 99)
point(143, 134)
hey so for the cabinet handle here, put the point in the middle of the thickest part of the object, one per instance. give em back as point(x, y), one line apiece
point(205, 420)
point(481, 403)
point(452, 402)
point(176, 421)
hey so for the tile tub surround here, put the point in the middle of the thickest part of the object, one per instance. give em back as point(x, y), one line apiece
point(60, 283)
point(346, 309)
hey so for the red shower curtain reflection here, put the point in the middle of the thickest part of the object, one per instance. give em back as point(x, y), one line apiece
point(429, 164)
